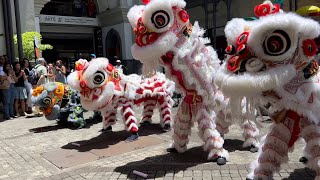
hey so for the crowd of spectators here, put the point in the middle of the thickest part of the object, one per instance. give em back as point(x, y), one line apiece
point(17, 81)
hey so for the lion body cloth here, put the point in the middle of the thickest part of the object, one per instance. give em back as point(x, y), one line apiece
point(164, 36)
point(104, 89)
point(271, 61)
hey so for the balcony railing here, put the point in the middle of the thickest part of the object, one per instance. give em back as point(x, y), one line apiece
point(75, 8)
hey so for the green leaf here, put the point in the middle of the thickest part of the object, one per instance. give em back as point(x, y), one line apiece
point(28, 44)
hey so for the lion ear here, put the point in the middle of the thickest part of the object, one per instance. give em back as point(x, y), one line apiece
point(134, 14)
point(74, 81)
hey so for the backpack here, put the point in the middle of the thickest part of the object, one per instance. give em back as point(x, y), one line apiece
point(33, 76)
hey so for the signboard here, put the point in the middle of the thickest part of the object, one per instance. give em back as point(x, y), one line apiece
point(68, 20)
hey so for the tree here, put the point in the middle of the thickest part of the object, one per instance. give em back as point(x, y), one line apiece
point(28, 44)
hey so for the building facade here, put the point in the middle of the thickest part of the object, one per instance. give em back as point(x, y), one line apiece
point(78, 28)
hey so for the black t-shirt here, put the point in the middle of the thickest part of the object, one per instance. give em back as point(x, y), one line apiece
point(20, 82)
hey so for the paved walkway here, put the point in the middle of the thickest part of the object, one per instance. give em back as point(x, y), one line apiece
point(39, 149)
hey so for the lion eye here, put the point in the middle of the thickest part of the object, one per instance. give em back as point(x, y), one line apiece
point(160, 19)
point(277, 43)
point(98, 77)
point(47, 101)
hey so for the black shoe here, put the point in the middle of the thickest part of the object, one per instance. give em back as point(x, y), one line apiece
point(249, 179)
point(254, 149)
point(304, 160)
point(166, 128)
point(220, 160)
point(106, 130)
point(172, 150)
point(145, 123)
point(133, 137)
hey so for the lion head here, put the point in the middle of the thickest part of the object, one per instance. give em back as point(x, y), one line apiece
point(97, 81)
point(269, 52)
point(158, 26)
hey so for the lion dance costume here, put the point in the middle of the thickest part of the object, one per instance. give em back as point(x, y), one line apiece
point(103, 88)
point(271, 60)
point(59, 102)
point(164, 36)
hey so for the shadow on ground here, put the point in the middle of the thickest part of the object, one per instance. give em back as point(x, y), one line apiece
point(106, 139)
point(302, 173)
point(194, 159)
point(89, 123)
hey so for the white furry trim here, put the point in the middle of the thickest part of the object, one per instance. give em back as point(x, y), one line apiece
point(73, 81)
point(249, 142)
point(134, 14)
point(178, 148)
point(147, 54)
point(251, 85)
point(132, 125)
point(223, 153)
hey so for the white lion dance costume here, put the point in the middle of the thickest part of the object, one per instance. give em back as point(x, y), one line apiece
point(164, 36)
point(272, 61)
point(103, 89)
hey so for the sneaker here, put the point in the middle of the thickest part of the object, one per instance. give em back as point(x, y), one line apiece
point(16, 116)
point(29, 114)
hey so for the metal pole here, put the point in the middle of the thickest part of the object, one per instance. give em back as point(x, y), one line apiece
point(18, 26)
point(205, 6)
point(229, 10)
point(215, 23)
point(10, 34)
point(6, 27)
point(290, 5)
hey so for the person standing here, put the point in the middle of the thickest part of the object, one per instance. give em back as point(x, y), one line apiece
point(41, 71)
point(60, 72)
point(2, 77)
point(21, 92)
point(26, 66)
point(9, 93)
point(51, 73)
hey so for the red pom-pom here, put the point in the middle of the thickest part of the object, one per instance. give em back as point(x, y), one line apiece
point(110, 68)
point(184, 17)
point(230, 49)
point(145, 1)
point(262, 10)
point(241, 49)
point(276, 8)
point(309, 47)
point(243, 38)
point(234, 64)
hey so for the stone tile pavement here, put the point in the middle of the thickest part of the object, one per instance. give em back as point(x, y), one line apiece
point(27, 143)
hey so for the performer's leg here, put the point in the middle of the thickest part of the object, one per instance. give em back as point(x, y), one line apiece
point(272, 153)
point(165, 114)
point(211, 137)
point(148, 108)
point(222, 125)
point(109, 119)
point(250, 133)
point(130, 121)
point(311, 134)
point(182, 129)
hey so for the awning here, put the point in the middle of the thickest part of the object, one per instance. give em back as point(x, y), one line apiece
point(309, 11)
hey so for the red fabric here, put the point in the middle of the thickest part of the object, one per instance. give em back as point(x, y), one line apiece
point(296, 127)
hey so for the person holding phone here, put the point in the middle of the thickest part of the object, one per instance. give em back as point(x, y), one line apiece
point(21, 92)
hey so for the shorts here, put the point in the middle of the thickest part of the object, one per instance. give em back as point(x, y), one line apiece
point(21, 93)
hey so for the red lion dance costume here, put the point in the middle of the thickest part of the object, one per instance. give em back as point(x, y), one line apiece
point(164, 36)
point(103, 89)
point(272, 61)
